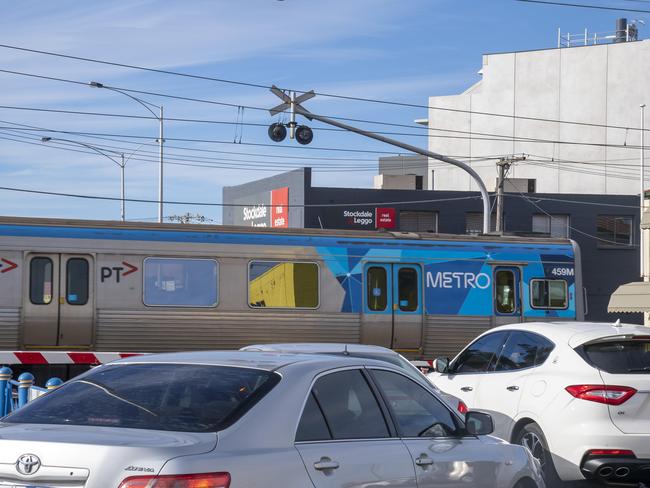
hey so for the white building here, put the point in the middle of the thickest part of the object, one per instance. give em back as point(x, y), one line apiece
point(601, 86)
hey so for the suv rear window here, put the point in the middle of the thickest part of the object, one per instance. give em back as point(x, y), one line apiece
point(619, 357)
point(173, 397)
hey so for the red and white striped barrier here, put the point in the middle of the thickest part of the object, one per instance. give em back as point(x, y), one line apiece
point(61, 357)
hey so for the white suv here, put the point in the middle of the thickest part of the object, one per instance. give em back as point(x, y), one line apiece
point(577, 394)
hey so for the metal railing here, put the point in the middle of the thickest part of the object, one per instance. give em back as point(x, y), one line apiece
point(587, 38)
point(16, 394)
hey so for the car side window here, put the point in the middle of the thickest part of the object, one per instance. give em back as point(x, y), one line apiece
point(523, 350)
point(416, 411)
point(349, 406)
point(312, 425)
point(481, 355)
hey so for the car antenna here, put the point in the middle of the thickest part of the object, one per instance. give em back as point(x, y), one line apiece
point(345, 350)
point(617, 323)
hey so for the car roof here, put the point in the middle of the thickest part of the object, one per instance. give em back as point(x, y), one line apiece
point(320, 348)
point(578, 333)
point(269, 361)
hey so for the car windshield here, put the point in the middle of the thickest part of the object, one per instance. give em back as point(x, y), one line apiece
point(620, 356)
point(173, 397)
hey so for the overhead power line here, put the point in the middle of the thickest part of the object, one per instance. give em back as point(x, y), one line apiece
point(581, 5)
point(263, 86)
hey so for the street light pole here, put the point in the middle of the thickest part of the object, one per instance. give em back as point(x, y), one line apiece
point(161, 140)
point(642, 198)
point(294, 104)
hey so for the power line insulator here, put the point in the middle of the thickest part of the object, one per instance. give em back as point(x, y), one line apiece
point(304, 135)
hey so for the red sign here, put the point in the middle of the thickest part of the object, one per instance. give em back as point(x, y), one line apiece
point(11, 264)
point(385, 218)
point(280, 208)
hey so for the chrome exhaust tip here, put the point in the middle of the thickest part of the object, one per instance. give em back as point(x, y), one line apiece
point(605, 471)
point(622, 472)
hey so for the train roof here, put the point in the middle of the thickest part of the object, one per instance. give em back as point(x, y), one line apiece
point(364, 234)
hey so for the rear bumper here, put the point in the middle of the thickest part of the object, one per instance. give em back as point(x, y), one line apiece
point(610, 470)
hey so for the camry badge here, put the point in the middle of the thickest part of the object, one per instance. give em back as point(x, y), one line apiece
point(28, 464)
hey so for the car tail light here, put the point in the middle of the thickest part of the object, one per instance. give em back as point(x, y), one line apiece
point(611, 452)
point(206, 480)
point(607, 394)
point(462, 408)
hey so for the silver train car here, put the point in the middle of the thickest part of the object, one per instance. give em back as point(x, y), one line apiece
point(114, 286)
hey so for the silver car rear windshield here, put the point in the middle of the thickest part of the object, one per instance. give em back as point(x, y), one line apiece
point(619, 356)
point(172, 397)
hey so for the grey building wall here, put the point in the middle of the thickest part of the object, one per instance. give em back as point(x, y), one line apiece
point(258, 194)
point(600, 84)
point(407, 165)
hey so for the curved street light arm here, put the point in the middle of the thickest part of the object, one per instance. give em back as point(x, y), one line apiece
point(89, 146)
point(146, 105)
point(479, 182)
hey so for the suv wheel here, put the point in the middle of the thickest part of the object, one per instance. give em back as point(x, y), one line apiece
point(532, 437)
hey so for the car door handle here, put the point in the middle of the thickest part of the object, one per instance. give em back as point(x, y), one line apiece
point(424, 461)
point(466, 388)
point(326, 463)
point(512, 388)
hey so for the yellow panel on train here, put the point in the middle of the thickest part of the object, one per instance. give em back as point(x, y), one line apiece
point(286, 285)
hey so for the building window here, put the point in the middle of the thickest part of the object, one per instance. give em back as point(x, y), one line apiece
point(278, 284)
point(175, 282)
point(418, 182)
point(412, 221)
point(614, 231)
point(548, 294)
point(551, 225)
point(474, 222)
point(40, 281)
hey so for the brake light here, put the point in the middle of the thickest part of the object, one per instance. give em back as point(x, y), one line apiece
point(607, 394)
point(610, 452)
point(462, 408)
point(206, 480)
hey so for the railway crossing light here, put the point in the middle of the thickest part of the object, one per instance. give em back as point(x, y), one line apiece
point(277, 132)
point(304, 135)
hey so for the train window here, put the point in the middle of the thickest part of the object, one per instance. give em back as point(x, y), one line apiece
point(377, 283)
point(40, 281)
point(176, 282)
point(549, 294)
point(505, 293)
point(407, 284)
point(77, 281)
point(280, 284)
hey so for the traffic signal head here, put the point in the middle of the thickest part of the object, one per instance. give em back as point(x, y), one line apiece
point(304, 135)
point(277, 132)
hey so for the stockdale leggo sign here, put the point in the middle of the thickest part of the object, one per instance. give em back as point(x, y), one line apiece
point(362, 218)
point(272, 211)
point(256, 216)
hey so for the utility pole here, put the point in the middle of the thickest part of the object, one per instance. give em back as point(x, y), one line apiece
point(503, 166)
point(642, 189)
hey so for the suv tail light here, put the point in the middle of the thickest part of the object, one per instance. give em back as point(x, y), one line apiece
point(610, 452)
point(607, 394)
point(206, 480)
point(462, 408)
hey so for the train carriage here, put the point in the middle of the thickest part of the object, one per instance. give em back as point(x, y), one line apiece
point(114, 286)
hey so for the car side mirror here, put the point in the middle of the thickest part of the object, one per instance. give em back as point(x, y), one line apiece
point(442, 365)
point(478, 423)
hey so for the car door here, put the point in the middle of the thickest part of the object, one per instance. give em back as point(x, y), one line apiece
point(441, 454)
point(499, 392)
point(345, 439)
point(469, 367)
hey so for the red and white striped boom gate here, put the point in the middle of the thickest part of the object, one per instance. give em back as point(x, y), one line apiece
point(9, 358)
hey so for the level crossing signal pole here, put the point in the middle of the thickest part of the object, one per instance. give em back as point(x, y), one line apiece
point(293, 103)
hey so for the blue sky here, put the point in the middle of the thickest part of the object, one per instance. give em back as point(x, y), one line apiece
point(400, 50)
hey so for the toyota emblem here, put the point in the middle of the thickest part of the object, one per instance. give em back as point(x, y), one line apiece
point(28, 464)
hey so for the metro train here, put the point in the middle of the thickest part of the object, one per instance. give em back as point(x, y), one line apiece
point(116, 286)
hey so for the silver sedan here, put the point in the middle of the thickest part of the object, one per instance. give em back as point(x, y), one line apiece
point(252, 419)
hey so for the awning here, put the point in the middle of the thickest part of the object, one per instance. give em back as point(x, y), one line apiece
point(645, 221)
point(631, 297)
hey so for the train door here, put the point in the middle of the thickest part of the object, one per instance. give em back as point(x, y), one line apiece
point(393, 309)
point(507, 295)
point(58, 300)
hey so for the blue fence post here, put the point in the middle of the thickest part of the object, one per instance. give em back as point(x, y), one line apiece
point(53, 383)
point(25, 382)
point(5, 390)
